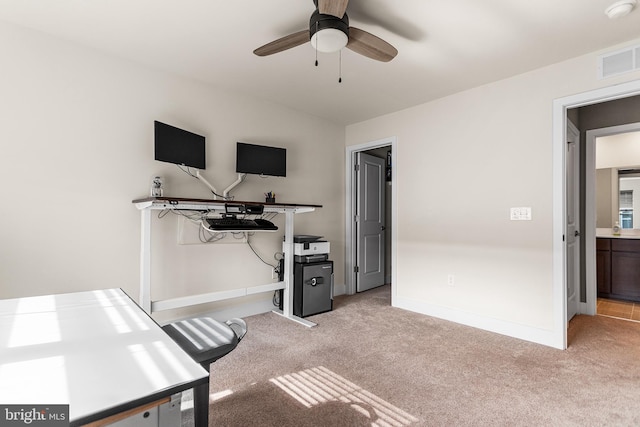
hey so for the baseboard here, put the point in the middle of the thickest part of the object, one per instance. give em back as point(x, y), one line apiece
point(585, 308)
point(523, 332)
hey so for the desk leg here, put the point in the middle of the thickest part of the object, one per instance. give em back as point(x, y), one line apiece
point(287, 295)
point(287, 306)
point(145, 260)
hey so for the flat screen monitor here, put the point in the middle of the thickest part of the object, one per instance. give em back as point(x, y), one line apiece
point(261, 160)
point(179, 146)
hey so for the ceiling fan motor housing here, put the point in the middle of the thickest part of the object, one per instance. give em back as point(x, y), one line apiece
point(337, 30)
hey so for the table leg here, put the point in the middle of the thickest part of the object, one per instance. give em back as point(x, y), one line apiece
point(201, 405)
point(145, 260)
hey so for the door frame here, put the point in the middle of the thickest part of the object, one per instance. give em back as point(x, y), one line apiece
point(374, 188)
point(560, 107)
point(350, 232)
point(590, 303)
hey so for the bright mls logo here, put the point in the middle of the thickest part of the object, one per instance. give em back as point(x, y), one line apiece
point(34, 415)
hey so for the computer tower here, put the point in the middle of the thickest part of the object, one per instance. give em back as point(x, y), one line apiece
point(312, 288)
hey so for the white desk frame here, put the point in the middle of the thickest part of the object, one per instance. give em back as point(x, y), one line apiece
point(163, 203)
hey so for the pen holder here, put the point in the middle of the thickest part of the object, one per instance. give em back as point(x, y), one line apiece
point(270, 200)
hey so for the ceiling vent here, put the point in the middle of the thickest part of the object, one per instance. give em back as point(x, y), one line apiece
point(619, 62)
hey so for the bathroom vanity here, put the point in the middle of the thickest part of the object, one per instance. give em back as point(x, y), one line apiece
point(618, 264)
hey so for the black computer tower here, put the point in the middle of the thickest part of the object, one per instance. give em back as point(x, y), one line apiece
point(312, 288)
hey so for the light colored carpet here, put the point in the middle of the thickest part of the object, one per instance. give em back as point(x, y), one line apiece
point(369, 364)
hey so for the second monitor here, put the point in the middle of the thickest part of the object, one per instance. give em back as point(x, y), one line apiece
point(261, 160)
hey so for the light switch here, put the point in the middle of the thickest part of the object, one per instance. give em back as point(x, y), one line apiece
point(521, 214)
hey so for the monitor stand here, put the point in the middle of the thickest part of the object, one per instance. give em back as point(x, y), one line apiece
point(205, 182)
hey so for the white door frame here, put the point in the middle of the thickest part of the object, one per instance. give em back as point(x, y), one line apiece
point(371, 184)
point(560, 107)
point(590, 217)
point(350, 211)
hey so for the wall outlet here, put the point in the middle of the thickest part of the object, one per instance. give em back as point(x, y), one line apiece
point(451, 280)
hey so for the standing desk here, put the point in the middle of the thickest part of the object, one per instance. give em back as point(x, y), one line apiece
point(149, 204)
point(96, 351)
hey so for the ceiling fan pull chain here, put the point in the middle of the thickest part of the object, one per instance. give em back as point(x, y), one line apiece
point(340, 69)
point(317, 35)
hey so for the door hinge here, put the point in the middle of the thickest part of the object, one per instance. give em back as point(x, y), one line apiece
point(356, 218)
point(356, 167)
point(356, 269)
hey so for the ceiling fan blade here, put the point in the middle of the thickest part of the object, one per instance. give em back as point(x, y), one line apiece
point(283, 43)
point(335, 8)
point(370, 46)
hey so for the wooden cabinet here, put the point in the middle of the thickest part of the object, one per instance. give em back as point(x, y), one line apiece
point(603, 266)
point(618, 268)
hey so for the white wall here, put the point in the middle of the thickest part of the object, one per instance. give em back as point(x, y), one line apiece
point(618, 151)
point(77, 147)
point(606, 189)
point(462, 162)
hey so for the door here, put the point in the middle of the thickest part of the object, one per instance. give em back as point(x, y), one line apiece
point(370, 221)
point(573, 220)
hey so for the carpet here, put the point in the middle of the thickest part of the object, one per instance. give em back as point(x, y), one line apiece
point(369, 364)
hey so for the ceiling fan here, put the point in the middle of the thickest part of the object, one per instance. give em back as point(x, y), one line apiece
point(329, 31)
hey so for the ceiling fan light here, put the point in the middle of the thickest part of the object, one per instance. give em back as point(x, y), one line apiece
point(329, 40)
point(620, 9)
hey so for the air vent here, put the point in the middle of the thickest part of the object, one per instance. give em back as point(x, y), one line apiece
point(619, 62)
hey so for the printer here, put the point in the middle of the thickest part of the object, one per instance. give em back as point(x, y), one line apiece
point(308, 249)
point(312, 276)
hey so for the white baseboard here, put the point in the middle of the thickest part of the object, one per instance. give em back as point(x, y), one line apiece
point(523, 332)
point(339, 289)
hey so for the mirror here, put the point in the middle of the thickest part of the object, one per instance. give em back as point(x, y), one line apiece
point(618, 180)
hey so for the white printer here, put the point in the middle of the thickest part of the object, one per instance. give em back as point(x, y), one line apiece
point(307, 249)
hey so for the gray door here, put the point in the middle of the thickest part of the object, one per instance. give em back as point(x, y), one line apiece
point(370, 221)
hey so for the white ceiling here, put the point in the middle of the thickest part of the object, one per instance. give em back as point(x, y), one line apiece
point(445, 46)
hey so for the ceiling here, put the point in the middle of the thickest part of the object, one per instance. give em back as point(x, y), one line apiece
point(444, 46)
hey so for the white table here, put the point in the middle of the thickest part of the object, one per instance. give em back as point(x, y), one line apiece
point(97, 351)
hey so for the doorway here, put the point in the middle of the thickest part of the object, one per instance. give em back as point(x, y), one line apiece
point(384, 149)
point(560, 119)
point(591, 222)
point(370, 218)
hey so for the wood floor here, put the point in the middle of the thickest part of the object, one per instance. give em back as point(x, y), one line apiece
point(620, 309)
